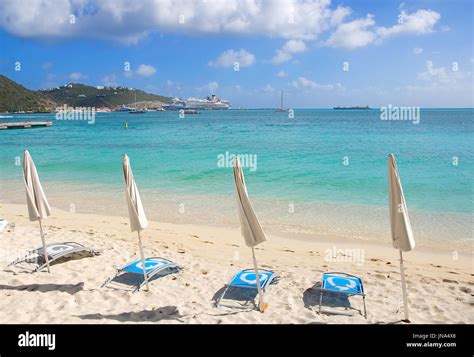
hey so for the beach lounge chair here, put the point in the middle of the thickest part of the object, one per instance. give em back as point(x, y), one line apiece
point(246, 279)
point(153, 266)
point(54, 251)
point(342, 283)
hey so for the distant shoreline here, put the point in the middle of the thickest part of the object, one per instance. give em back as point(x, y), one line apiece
point(270, 109)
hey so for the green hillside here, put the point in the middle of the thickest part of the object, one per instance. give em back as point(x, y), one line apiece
point(80, 95)
point(14, 97)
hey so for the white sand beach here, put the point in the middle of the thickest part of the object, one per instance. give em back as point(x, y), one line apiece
point(440, 284)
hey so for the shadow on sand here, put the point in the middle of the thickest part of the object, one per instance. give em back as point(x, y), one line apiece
point(245, 298)
point(129, 281)
point(162, 313)
point(311, 298)
point(45, 288)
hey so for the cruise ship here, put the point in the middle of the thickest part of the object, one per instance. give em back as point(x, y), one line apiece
point(175, 104)
point(208, 103)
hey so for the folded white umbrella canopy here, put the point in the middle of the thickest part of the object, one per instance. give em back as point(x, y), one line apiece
point(250, 227)
point(136, 213)
point(38, 206)
point(402, 234)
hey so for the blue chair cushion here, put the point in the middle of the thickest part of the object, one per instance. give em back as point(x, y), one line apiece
point(150, 265)
point(342, 284)
point(247, 279)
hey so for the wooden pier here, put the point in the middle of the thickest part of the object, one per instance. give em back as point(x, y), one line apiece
point(25, 125)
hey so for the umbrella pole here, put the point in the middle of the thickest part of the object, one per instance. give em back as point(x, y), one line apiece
point(44, 246)
point(261, 304)
point(143, 261)
point(404, 287)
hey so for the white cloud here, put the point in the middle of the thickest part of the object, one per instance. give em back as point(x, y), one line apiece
point(445, 28)
point(419, 22)
point(434, 74)
point(417, 50)
point(210, 87)
point(285, 54)
point(440, 75)
point(303, 83)
point(128, 22)
point(281, 74)
point(145, 70)
point(229, 57)
point(171, 85)
point(76, 76)
point(109, 80)
point(362, 32)
point(450, 88)
point(294, 46)
point(268, 89)
point(353, 34)
point(281, 57)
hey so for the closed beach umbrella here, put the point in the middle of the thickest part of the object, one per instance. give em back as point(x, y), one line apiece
point(136, 213)
point(249, 225)
point(402, 234)
point(38, 206)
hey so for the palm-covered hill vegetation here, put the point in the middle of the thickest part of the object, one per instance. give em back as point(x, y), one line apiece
point(16, 98)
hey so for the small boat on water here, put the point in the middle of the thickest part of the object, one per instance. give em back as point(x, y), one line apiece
point(191, 111)
point(352, 108)
point(135, 110)
point(281, 109)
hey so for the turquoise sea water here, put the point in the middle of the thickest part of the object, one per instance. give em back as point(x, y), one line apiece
point(316, 172)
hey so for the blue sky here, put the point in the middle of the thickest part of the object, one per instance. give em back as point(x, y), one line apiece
point(417, 53)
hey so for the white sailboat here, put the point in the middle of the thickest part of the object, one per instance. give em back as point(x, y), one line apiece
point(135, 110)
point(281, 109)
